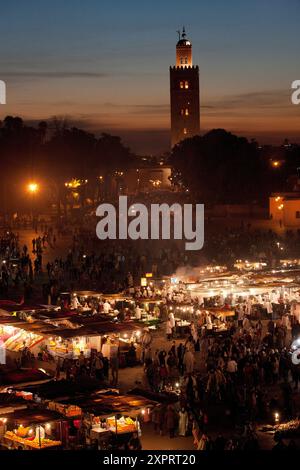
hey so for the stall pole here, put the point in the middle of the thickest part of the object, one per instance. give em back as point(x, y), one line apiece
point(116, 425)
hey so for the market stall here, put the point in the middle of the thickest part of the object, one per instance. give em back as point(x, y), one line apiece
point(91, 337)
point(150, 312)
point(32, 429)
point(107, 417)
point(15, 338)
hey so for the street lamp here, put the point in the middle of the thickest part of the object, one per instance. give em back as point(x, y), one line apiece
point(33, 188)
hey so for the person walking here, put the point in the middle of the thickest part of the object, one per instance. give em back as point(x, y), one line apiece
point(183, 422)
point(189, 361)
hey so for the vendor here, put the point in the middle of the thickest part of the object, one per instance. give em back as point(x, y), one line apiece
point(138, 312)
point(172, 321)
point(75, 303)
point(208, 321)
point(106, 307)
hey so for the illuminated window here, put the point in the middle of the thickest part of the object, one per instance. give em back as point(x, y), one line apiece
point(186, 84)
point(182, 112)
point(186, 111)
point(185, 131)
point(181, 60)
point(182, 84)
point(186, 60)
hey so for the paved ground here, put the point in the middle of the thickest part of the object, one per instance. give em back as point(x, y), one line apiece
point(153, 441)
point(49, 253)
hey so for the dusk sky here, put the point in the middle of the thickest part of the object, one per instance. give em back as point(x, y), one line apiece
point(105, 65)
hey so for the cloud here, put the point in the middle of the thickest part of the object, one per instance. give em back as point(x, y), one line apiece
point(51, 74)
point(159, 108)
point(263, 99)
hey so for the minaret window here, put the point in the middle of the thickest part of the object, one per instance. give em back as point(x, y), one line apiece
point(182, 84)
point(185, 131)
point(186, 84)
point(184, 112)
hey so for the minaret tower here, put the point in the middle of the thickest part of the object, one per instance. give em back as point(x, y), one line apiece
point(184, 89)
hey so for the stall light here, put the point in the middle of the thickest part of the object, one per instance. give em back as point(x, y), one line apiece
point(42, 370)
point(276, 416)
point(48, 426)
point(4, 420)
point(30, 431)
point(138, 333)
point(177, 385)
point(125, 335)
point(143, 411)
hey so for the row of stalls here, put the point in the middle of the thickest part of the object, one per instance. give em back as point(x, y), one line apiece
point(76, 326)
point(277, 287)
point(68, 338)
point(214, 297)
point(122, 306)
point(60, 415)
point(213, 301)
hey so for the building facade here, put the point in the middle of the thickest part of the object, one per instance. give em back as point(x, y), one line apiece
point(285, 209)
point(184, 91)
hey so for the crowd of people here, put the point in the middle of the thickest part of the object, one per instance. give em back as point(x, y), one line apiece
point(247, 378)
point(244, 376)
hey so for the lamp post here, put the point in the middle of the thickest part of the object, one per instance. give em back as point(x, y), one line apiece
point(32, 188)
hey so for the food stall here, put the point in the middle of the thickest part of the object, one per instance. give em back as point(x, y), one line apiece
point(109, 418)
point(15, 338)
point(150, 312)
point(88, 301)
point(32, 429)
point(25, 311)
point(69, 342)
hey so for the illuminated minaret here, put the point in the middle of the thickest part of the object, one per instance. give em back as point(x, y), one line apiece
point(184, 89)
